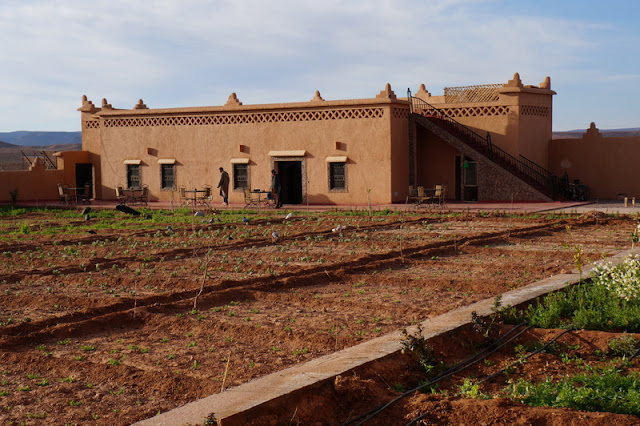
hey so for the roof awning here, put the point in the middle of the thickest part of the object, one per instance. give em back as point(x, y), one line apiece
point(166, 161)
point(132, 161)
point(239, 161)
point(337, 159)
point(299, 153)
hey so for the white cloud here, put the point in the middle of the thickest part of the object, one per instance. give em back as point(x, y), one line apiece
point(196, 52)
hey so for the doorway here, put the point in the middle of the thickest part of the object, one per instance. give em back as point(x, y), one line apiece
point(291, 181)
point(470, 179)
point(84, 176)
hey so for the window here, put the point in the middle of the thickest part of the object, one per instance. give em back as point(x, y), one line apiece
point(240, 176)
point(337, 174)
point(167, 176)
point(133, 176)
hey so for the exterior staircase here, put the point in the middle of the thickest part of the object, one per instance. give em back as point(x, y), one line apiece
point(534, 175)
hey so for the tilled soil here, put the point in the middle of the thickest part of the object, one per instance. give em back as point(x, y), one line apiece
point(380, 393)
point(116, 326)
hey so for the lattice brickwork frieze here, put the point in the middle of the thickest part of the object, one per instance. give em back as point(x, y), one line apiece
point(91, 124)
point(537, 111)
point(247, 118)
point(401, 113)
point(482, 93)
point(476, 111)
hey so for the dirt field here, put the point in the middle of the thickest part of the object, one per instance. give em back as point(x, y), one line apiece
point(136, 319)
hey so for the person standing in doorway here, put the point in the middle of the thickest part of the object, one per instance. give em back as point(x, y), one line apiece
point(223, 184)
point(276, 188)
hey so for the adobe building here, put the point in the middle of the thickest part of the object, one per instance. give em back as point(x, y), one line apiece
point(483, 143)
point(327, 152)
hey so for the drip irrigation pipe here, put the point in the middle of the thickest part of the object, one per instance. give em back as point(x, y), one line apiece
point(518, 361)
point(635, 354)
point(495, 346)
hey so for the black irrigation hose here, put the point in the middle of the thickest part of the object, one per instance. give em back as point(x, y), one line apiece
point(635, 354)
point(529, 355)
point(449, 372)
point(422, 416)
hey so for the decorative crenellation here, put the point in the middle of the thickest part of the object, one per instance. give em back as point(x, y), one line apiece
point(401, 113)
point(317, 97)
point(476, 111)
point(140, 105)
point(105, 104)
point(537, 111)
point(515, 81)
point(233, 100)
point(546, 84)
point(250, 118)
point(422, 92)
point(87, 105)
point(592, 130)
point(386, 93)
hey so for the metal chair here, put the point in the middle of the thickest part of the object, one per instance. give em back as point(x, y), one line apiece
point(85, 195)
point(120, 195)
point(63, 194)
point(413, 195)
point(183, 197)
point(206, 197)
point(144, 198)
point(248, 199)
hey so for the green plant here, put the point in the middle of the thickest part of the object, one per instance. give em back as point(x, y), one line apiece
point(469, 389)
point(624, 346)
point(485, 326)
point(417, 344)
point(606, 390)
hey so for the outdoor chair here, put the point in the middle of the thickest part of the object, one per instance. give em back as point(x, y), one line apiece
point(421, 197)
point(413, 195)
point(63, 193)
point(144, 196)
point(206, 197)
point(84, 196)
point(442, 196)
point(183, 197)
point(248, 200)
point(120, 195)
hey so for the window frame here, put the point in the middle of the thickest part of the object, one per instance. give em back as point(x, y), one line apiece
point(334, 178)
point(130, 175)
point(163, 177)
point(234, 172)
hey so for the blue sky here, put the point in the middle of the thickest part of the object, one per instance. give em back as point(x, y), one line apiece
point(196, 52)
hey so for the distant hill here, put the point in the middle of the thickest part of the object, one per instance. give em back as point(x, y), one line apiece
point(26, 138)
point(610, 133)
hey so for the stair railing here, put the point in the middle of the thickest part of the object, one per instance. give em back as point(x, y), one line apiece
point(525, 167)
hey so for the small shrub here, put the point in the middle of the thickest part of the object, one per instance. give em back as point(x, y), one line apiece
point(417, 344)
point(624, 346)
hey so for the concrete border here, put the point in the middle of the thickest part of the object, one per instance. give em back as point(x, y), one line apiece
point(236, 405)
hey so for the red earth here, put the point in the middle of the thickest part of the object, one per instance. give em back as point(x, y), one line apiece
point(114, 327)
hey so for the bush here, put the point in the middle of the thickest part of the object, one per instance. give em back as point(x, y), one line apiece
point(607, 390)
point(622, 279)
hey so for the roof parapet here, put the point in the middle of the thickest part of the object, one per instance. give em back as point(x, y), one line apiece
point(515, 82)
point(386, 93)
point(105, 104)
point(317, 97)
point(233, 101)
point(87, 105)
point(423, 92)
point(140, 105)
